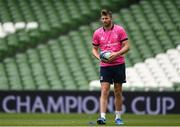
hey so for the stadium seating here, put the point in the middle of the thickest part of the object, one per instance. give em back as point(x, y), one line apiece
point(3, 78)
point(150, 35)
point(53, 17)
point(46, 45)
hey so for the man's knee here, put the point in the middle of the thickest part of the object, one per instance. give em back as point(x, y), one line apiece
point(105, 92)
point(117, 92)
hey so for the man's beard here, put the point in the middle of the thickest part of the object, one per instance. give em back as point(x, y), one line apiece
point(107, 24)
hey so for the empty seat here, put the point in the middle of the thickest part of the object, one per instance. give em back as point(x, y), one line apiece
point(4, 85)
point(13, 74)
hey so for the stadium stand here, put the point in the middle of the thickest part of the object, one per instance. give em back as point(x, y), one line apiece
point(46, 45)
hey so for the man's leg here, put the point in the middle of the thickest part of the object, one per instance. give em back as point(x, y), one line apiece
point(118, 96)
point(105, 86)
point(118, 102)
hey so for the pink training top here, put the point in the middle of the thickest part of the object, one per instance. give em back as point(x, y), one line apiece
point(110, 40)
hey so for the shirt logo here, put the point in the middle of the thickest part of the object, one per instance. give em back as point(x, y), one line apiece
point(102, 38)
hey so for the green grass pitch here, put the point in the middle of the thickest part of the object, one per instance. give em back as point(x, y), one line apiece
point(85, 120)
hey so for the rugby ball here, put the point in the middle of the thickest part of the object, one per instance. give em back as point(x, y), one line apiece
point(105, 55)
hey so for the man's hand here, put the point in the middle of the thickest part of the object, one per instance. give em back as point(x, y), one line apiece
point(112, 57)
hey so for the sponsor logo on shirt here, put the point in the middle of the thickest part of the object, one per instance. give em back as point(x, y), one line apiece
point(111, 44)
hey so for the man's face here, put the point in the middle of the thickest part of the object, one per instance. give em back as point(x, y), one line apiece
point(106, 20)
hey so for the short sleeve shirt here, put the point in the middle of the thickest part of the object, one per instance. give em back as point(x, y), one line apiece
point(110, 40)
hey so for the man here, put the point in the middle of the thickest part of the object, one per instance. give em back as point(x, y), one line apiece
point(113, 38)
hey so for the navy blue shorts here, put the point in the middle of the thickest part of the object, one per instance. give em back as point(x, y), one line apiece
point(113, 74)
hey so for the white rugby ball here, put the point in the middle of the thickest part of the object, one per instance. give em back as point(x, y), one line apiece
point(105, 55)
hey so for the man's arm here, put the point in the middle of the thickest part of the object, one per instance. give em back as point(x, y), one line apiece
point(95, 52)
point(125, 48)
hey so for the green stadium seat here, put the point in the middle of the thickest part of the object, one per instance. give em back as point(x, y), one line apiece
point(14, 11)
point(28, 83)
point(175, 36)
point(4, 13)
point(49, 67)
point(32, 56)
point(13, 74)
point(95, 25)
point(134, 56)
point(36, 37)
point(3, 47)
point(3, 79)
point(12, 42)
point(94, 5)
point(25, 72)
point(26, 10)
point(105, 4)
point(56, 85)
point(85, 10)
point(23, 39)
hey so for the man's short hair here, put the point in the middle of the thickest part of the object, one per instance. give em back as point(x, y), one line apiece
point(105, 12)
